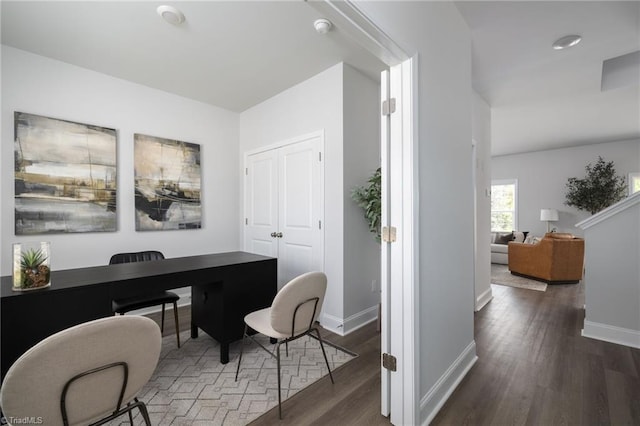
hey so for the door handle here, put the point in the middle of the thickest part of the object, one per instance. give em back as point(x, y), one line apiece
point(274, 235)
point(279, 235)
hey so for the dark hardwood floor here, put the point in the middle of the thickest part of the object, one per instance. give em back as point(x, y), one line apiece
point(534, 368)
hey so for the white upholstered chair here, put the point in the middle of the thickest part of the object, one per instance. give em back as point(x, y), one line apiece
point(85, 375)
point(292, 314)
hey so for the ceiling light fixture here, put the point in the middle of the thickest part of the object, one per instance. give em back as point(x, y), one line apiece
point(566, 42)
point(171, 14)
point(322, 25)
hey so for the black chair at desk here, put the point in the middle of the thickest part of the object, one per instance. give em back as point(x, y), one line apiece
point(122, 306)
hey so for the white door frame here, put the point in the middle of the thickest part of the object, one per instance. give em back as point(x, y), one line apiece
point(400, 290)
point(280, 144)
point(400, 389)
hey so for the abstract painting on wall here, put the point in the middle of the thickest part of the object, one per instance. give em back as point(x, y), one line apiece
point(65, 176)
point(167, 184)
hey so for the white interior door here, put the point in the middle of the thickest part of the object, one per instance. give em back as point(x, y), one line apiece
point(261, 203)
point(399, 289)
point(300, 244)
point(385, 267)
point(284, 205)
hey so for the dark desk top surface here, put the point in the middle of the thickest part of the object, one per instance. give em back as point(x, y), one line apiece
point(70, 278)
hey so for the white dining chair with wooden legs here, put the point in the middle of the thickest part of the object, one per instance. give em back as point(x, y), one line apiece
point(293, 314)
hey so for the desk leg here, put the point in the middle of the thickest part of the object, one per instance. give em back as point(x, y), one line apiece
point(194, 331)
point(224, 353)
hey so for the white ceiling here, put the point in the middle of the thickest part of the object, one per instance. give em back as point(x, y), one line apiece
point(543, 98)
point(237, 54)
point(232, 54)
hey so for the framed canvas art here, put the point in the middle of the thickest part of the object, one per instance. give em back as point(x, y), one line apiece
point(167, 184)
point(65, 176)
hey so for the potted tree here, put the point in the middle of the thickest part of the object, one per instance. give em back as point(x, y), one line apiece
point(600, 188)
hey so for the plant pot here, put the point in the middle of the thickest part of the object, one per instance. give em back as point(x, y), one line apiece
point(31, 266)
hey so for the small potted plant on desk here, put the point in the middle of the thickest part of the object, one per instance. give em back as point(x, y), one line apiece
point(31, 267)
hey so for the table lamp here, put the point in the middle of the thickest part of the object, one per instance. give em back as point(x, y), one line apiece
point(549, 215)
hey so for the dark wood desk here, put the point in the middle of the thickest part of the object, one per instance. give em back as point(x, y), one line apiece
point(224, 288)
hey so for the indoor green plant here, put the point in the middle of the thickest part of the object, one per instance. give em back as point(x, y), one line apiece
point(369, 198)
point(600, 188)
point(34, 271)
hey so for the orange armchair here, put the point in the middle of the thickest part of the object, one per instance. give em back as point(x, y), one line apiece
point(556, 259)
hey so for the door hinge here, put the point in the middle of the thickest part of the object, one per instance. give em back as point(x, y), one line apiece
point(389, 362)
point(319, 156)
point(319, 224)
point(389, 234)
point(246, 171)
point(246, 220)
point(389, 106)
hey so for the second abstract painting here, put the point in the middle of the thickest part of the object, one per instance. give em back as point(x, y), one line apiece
point(167, 184)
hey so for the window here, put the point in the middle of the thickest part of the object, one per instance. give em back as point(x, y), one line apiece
point(634, 182)
point(504, 196)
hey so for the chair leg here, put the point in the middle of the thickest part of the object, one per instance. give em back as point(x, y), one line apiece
point(143, 410)
point(241, 350)
point(162, 321)
point(130, 417)
point(175, 315)
point(286, 348)
point(326, 360)
point(279, 392)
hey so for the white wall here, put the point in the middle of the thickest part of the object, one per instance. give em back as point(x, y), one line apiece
point(612, 276)
point(42, 86)
point(361, 158)
point(315, 104)
point(39, 85)
point(438, 34)
point(542, 178)
point(336, 101)
point(481, 128)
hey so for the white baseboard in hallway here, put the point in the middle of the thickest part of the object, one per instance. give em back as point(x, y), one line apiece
point(610, 333)
point(448, 382)
point(483, 299)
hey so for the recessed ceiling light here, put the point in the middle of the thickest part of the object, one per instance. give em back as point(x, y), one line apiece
point(566, 42)
point(322, 25)
point(171, 14)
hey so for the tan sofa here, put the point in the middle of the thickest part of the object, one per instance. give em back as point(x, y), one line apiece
point(556, 259)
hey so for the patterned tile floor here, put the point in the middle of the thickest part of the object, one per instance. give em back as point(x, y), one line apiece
point(191, 387)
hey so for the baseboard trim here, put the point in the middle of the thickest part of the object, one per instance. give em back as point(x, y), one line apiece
point(332, 323)
point(610, 333)
point(483, 299)
point(354, 322)
point(433, 401)
point(360, 319)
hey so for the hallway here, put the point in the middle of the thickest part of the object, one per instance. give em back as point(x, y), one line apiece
point(534, 368)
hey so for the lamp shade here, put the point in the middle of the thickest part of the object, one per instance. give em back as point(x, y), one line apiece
point(549, 215)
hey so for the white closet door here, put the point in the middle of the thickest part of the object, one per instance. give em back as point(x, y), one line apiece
point(284, 205)
point(300, 246)
point(261, 203)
